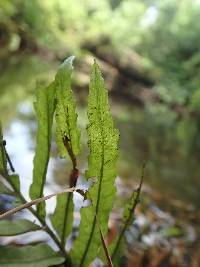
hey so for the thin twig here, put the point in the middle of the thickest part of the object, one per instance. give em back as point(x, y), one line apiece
point(110, 264)
point(35, 202)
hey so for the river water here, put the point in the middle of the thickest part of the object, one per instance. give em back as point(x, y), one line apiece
point(149, 135)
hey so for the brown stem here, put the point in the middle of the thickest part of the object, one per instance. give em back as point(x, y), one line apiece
point(68, 147)
point(72, 183)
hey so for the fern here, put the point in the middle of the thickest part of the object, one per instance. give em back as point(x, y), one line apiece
point(23, 226)
point(118, 245)
point(41, 255)
point(44, 106)
point(102, 142)
point(57, 99)
point(68, 140)
point(66, 116)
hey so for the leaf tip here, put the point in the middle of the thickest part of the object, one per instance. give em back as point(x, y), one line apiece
point(68, 62)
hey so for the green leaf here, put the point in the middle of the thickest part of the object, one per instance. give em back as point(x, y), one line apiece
point(103, 145)
point(14, 181)
point(59, 141)
point(44, 106)
point(118, 244)
point(5, 190)
point(40, 255)
point(17, 227)
point(68, 141)
point(66, 116)
point(62, 219)
point(117, 247)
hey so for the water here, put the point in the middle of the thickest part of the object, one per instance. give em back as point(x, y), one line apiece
point(171, 168)
point(139, 143)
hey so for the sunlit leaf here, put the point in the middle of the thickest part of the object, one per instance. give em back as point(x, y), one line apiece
point(103, 145)
point(68, 141)
point(44, 107)
point(66, 116)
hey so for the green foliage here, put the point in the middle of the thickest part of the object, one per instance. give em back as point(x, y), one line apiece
point(165, 34)
point(5, 190)
point(62, 219)
point(29, 256)
point(66, 116)
point(14, 180)
point(102, 142)
point(17, 227)
point(68, 141)
point(118, 245)
point(70, 23)
point(44, 106)
point(103, 153)
point(170, 43)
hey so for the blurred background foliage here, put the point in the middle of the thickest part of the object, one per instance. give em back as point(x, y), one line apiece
point(149, 53)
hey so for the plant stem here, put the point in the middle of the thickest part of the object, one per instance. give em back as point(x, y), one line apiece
point(72, 183)
point(47, 229)
point(128, 221)
point(105, 248)
point(66, 142)
point(69, 198)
